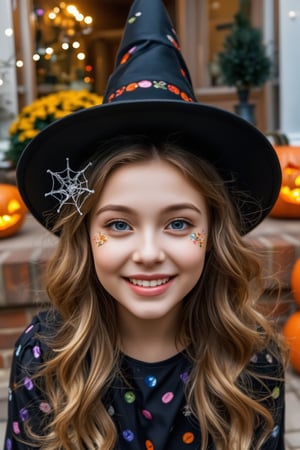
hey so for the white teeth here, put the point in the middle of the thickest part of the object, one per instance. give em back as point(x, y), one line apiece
point(149, 283)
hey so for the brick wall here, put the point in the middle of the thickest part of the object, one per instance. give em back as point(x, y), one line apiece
point(21, 275)
point(23, 259)
point(21, 291)
point(12, 322)
point(21, 294)
point(277, 306)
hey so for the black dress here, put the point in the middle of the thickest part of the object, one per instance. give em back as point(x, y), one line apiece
point(149, 410)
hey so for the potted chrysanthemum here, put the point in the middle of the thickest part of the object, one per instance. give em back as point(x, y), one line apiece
point(40, 113)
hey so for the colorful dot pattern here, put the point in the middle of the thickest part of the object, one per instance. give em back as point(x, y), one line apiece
point(149, 409)
point(148, 406)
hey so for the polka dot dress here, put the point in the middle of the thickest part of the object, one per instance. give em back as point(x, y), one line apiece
point(149, 408)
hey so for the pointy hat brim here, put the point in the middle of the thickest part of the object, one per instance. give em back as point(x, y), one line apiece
point(242, 155)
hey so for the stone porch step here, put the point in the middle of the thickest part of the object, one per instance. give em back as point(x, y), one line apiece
point(4, 378)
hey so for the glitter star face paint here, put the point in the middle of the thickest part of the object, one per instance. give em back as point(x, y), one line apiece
point(100, 238)
point(198, 238)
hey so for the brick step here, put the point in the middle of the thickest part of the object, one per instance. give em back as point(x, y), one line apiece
point(4, 380)
point(2, 431)
point(22, 263)
point(22, 272)
point(12, 323)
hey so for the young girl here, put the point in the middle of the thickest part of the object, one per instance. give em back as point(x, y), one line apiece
point(154, 339)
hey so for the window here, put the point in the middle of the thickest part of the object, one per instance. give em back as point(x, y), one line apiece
point(220, 16)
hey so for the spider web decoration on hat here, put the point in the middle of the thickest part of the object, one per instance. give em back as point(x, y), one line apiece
point(70, 187)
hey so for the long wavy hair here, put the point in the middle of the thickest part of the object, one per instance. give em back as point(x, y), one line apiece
point(219, 313)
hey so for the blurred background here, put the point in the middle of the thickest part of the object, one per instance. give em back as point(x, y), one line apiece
point(47, 46)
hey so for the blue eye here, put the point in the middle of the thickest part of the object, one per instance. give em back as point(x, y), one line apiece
point(178, 225)
point(119, 225)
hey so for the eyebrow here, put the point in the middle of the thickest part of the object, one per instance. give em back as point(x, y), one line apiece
point(126, 209)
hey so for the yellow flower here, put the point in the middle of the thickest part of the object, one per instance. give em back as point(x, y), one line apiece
point(13, 128)
point(28, 134)
point(25, 123)
point(40, 113)
point(43, 111)
point(59, 114)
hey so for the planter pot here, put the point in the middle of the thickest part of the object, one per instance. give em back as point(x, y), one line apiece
point(246, 111)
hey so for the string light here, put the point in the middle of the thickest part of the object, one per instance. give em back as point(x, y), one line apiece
point(67, 22)
point(60, 50)
point(49, 51)
point(8, 32)
point(88, 20)
point(68, 19)
point(292, 15)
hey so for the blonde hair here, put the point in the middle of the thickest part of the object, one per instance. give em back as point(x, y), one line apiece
point(219, 313)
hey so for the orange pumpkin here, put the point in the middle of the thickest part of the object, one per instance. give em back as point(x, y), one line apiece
point(288, 202)
point(291, 332)
point(295, 281)
point(12, 210)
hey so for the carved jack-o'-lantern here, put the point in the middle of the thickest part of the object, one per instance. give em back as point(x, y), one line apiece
point(288, 202)
point(12, 210)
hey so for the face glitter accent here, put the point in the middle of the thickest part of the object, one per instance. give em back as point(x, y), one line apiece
point(198, 238)
point(100, 239)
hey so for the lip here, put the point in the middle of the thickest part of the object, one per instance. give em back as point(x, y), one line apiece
point(150, 291)
point(149, 277)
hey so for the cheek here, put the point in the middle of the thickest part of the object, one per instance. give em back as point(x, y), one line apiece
point(103, 257)
point(193, 263)
point(108, 257)
point(106, 266)
point(190, 258)
point(191, 266)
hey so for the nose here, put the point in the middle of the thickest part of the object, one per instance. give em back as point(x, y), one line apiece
point(149, 250)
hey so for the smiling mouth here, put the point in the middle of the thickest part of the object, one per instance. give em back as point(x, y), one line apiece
point(149, 283)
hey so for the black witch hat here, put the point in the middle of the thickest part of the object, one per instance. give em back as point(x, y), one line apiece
point(150, 92)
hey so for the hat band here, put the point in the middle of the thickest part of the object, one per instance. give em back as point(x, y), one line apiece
point(147, 84)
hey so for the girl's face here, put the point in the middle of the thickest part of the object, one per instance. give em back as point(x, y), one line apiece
point(148, 235)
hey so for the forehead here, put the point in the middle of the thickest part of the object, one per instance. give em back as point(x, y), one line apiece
point(150, 181)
